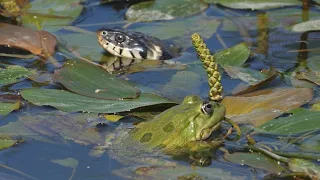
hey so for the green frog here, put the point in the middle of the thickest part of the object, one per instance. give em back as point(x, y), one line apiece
point(180, 131)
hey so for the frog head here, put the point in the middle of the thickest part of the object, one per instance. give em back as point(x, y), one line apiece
point(192, 120)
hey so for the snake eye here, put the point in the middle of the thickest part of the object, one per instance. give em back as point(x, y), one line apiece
point(207, 108)
point(120, 38)
point(104, 33)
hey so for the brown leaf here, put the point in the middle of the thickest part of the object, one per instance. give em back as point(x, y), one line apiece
point(37, 42)
point(261, 106)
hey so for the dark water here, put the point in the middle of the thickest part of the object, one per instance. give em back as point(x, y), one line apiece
point(34, 157)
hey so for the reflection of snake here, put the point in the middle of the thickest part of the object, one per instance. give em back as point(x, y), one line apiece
point(133, 45)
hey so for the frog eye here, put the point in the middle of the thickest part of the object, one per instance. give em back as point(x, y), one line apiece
point(120, 38)
point(207, 108)
point(104, 33)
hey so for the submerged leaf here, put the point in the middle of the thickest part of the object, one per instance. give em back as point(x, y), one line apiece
point(164, 10)
point(92, 81)
point(13, 73)
point(261, 106)
point(254, 4)
point(50, 15)
point(6, 108)
point(70, 102)
point(255, 160)
point(301, 120)
point(37, 42)
point(68, 162)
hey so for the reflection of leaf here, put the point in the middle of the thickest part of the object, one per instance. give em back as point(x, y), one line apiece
point(254, 4)
point(71, 102)
point(261, 106)
point(164, 10)
point(68, 162)
point(255, 160)
point(6, 108)
point(301, 120)
point(13, 73)
point(312, 25)
point(50, 15)
point(234, 56)
point(37, 42)
point(92, 81)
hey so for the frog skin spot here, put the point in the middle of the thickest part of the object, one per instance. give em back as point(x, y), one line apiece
point(168, 128)
point(146, 137)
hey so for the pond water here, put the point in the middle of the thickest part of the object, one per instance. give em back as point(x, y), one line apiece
point(272, 44)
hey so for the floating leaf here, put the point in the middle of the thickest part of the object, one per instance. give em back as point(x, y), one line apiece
point(301, 120)
point(50, 15)
point(71, 102)
point(254, 78)
point(254, 4)
point(235, 56)
point(255, 160)
point(92, 81)
point(316, 107)
point(312, 25)
point(312, 170)
point(6, 142)
point(68, 162)
point(261, 106)
point(164, 10)
point(310, 76)
point(13, 73)
point(314, 63)
point(37, 42)
point(6, 108)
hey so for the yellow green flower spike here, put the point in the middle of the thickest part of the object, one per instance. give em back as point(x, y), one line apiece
point(209, 63)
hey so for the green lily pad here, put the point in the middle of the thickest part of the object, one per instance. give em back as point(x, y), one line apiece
point(164, 10)
point(13, 73)
point(255, 160)
point(50, 15)
point(92, 81)
point(312, 170)
point(70, 102)
point(314, 63)
point(6, 142)
point(235, 56)
point(6, 108)
point(316, 107)
point(312, 25)
point(301, 120)
point(254, 4)
point(68, 162)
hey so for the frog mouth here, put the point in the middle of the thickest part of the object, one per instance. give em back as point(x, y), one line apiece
point(206, 132)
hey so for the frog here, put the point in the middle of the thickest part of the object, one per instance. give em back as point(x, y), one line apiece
point(181, 132)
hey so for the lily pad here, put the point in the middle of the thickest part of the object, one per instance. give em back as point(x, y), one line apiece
point(255, 160)
point(264, 105)
point(164, 10)
point(37, 42)
point(6, 142)
point(13, 74)
point(6, 108)
point(311, 76)
point(312, 25)
point(235, 56)
point(92, 81)
point(61, 13)
point(254, 4)
point(301, 120)
point(70, 102)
